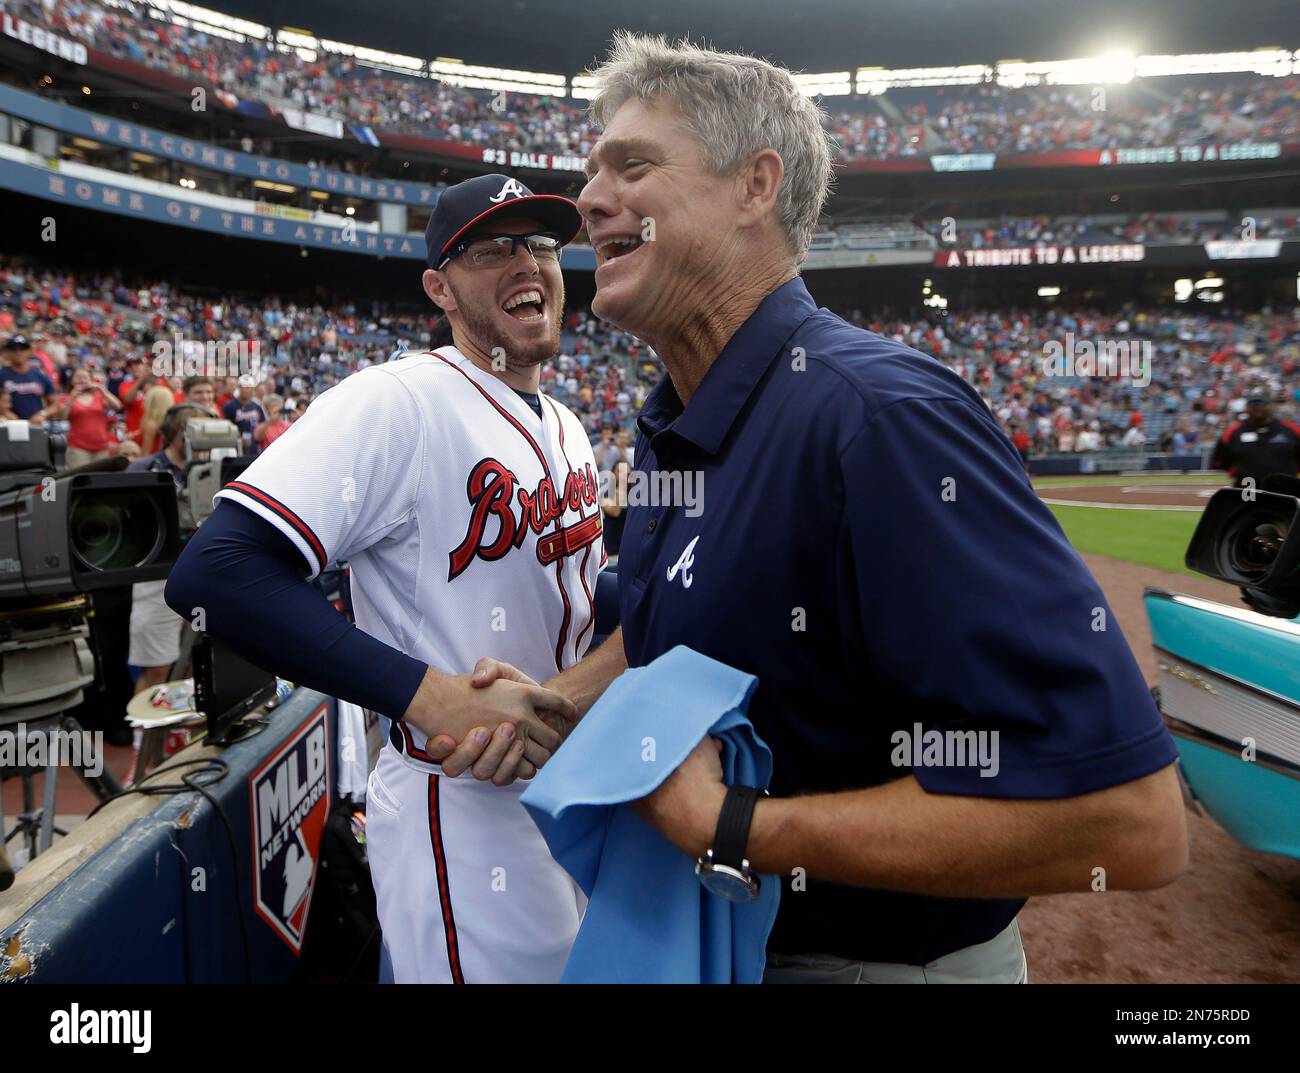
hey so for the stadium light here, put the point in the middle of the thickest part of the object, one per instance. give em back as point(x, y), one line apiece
point(1270, 62)
point(465, 74)
point(1048, 292)
point(1111, 67)
point(215, 20)
point(279, 188)
point(876, 80)
point(828, 84)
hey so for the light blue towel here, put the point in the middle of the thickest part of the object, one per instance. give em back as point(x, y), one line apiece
point(649, 920)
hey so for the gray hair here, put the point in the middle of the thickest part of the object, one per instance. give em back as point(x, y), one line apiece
point(735, 105)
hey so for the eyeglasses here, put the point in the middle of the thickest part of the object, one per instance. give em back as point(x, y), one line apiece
point(497, 251)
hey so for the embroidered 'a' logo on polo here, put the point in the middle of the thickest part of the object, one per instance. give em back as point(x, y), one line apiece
point(510, 188)
point(683, 565)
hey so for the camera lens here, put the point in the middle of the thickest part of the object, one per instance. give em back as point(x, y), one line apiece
point(115, 529)
point(1252, 543)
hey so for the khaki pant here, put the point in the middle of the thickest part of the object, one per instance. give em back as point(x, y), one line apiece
point(77, 457)
point(1001, 960)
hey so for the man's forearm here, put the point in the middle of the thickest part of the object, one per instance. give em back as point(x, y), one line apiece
point(246, 579)
point(899, 837)
point(586, 680)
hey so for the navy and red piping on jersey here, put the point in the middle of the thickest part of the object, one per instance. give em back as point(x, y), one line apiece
point(406, 743)
point(586, 555)
point(546, 469)
point(302, 528)
point(444, 885)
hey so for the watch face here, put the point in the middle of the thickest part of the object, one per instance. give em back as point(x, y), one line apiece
point(727, 883)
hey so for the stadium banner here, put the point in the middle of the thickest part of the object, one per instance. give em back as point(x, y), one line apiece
point(496, 158)
point(118, 132)
point(89, 194)
point(1235, 250)
point(1018, 256)
point(1191, 254)
point(1083, 158)
point(38, 37)
point(839, 258)
point(325, 126)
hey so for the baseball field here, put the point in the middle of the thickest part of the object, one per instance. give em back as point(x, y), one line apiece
point(1234, 916)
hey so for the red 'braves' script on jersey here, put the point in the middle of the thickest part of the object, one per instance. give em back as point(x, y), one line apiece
point(492, 488)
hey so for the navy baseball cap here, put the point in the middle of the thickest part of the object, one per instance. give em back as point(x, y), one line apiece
point(462, 207)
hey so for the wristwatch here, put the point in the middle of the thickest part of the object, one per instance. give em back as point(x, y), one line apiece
point(724, 869)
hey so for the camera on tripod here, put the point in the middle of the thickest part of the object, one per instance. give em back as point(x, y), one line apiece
point(64, 535)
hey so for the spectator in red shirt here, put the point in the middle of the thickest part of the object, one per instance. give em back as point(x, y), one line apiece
point(1020, 440)
point(86, 408)
point(132, 392)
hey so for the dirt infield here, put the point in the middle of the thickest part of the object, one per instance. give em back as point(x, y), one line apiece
point(1233, 917)
point(1185, 495)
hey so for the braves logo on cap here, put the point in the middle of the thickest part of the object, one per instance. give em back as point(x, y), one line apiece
point(510, 188)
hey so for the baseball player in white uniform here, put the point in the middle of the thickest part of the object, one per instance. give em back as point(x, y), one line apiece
point(467, 504)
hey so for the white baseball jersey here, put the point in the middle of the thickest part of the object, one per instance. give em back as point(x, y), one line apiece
point(473, 529)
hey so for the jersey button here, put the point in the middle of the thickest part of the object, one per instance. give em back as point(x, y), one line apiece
point(651, 527)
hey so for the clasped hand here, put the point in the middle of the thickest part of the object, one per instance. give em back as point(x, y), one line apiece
point(457, 713)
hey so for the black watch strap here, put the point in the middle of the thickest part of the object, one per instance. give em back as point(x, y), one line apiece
point(732, 836)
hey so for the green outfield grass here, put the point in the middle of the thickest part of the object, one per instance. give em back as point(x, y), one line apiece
point(1150, 537)
point(1155, 478)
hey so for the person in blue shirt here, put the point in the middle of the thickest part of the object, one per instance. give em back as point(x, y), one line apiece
point(246, 412)
point(31, 392)
point(955, 719)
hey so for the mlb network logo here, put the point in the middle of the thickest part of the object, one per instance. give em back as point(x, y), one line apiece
point(289, 795)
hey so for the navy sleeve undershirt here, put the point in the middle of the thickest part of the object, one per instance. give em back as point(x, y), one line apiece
point(248, 578)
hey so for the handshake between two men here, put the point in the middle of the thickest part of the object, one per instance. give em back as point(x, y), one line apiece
point(495, 721)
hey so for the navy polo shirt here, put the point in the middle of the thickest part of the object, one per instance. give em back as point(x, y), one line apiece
point(868, 545)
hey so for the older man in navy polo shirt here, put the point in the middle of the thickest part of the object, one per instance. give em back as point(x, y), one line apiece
point(955, 719)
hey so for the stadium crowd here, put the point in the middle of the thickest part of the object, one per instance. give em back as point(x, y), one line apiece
point(988, 118)
point(905, 122)
point(102, 328)
point(1201, 369)
point(106, 327)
